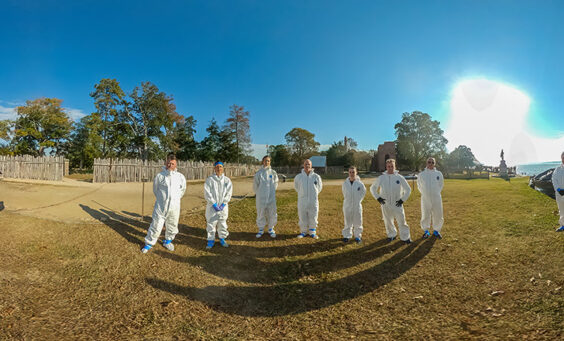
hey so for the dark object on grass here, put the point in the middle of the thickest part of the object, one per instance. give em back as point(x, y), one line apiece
point(1, 205)
point(543, 183)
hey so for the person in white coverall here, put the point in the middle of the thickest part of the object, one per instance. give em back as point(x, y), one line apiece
point(308, 185)
point(264, 186)
point(430, 183)
point(218, 190)
point(558, 183)
point(392, 190)
point(353, 193)
point(169, 187)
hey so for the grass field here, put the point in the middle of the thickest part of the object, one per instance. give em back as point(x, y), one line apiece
point(497, 274)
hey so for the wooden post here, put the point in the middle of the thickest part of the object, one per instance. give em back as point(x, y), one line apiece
point(143, 202)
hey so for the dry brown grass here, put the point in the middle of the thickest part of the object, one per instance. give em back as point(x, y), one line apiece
point(64, 281)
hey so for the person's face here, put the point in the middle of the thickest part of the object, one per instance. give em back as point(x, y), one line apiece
point(431, 163)
point(390, 167)
point(266, 162)
point(171, 165)
point(352, 173)
point(218, 170)
point(307, 166)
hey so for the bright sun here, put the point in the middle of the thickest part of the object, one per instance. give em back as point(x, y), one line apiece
point(488, 116)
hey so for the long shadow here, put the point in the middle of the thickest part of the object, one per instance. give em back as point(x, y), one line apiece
point(302, 247)
point(195, 238)
point(117, 223)
point(134, 230)
point(237, 268)
point(131, 214)
point(251, 236)
point(294, 298)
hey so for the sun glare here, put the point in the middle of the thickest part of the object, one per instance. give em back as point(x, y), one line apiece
point(488, 116)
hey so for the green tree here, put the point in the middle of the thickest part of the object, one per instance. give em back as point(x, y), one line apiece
point(301, 144)
point(108, 96)
point(86, 141)
point(151, 117)
point(227, 147)
point(238, 124)
point(211, 144)
point(187, 147)
point(461, 158)
point(339, 155)
point(279, 154)
point(418, 137)
point(363, 159)
point(41, 124)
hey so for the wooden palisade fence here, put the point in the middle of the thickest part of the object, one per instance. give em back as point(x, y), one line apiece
point(134, 170)
point(30, 167)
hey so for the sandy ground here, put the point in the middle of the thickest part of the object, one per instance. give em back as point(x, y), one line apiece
point(72, 200)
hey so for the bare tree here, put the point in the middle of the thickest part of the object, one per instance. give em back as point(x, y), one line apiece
point(238, 124)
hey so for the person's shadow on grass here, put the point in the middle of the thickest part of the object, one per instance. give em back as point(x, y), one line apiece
point(284, 291)
point(134, 230)
point(121, 224)
point(264, 272)
point(284, 297)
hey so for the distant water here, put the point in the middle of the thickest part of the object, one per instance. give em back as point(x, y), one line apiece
point(536, 168)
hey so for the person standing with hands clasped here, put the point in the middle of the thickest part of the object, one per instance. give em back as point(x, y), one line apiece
point(430, 183)
point(353, 193)
point(308, 185)
point(558, 183)
point(217, 192)
point(392, 190)
point(264, 185)
point(169, 187)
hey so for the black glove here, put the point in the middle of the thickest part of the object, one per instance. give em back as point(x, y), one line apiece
point(561, 191)
point(399, 203)
point(382, 201)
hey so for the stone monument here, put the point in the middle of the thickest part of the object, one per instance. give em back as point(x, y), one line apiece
point(502, 166)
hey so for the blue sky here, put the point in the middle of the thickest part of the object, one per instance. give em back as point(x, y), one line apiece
point(335, 68)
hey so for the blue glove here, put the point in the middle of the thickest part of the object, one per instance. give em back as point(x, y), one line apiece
point(215, 207)
point(221, 207)
point(560, 191)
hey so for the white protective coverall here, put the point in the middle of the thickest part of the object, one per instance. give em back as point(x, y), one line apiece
point(430, 184)
point(392, 187)
point(217, 190)
point(264, 186)
point(308, 188)
point(353, 194)
point(558, 182)
point(168, 187)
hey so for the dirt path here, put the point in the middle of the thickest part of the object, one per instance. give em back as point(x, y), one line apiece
point(71, 200)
